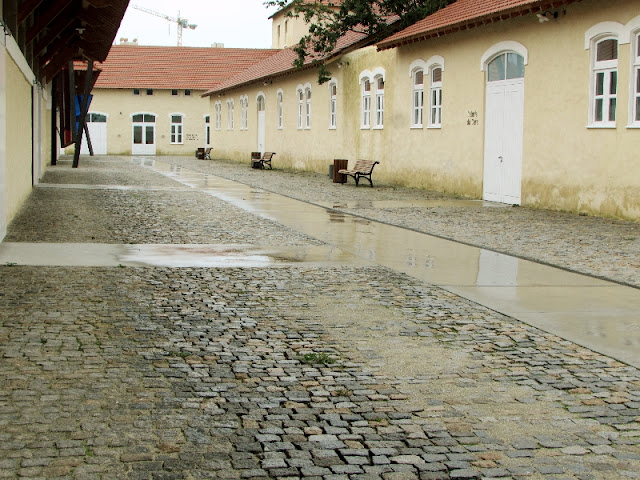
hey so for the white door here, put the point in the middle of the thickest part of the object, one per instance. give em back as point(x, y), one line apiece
point(504, 117)
point(144, 134)
point(261, 124)
point(97, 125)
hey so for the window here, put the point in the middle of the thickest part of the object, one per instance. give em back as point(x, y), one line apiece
point(176, 128)
point(174, 92)
point(435, 97)
point(136, 91)
point(333, 103)
point(244, 113)
point(418, 98)
point(307, 94)
point(366, 104)
point(149, 91)
point(507, 66)
point(280, 109)
point(604, 83)
point(218, 113)
point(230, 114)
point(379, 120)
point(187, 93)
point(300, 94)
point(207, 130)
point(636, 82)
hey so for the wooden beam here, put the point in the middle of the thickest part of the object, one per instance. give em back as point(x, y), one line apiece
point(62, 30)
point(57, 61)
point(84, 108)
point(27, 8)
point(45, 18)
point(100, 3)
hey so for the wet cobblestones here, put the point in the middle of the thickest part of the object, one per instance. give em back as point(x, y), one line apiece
point(315, 372)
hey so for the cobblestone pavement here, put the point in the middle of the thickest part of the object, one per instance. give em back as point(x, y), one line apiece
point(307, 371)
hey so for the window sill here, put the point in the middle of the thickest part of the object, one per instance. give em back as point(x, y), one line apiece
point(602, 127)
point(634, 126)
point(434, 127)
point(378, 128)
point(333, 128)
point(416, 127)
point(362, 127)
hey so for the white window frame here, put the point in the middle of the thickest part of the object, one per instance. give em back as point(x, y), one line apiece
point(244, 112)
point(435, 98)
point(417, 98)
point(365, 106)
point(218, 115)
point(207, 129)
point(300, 98)
point(333, 104)
point(177, 129)
point(379, 85)
point(634, 110)
point(280, 97)
point(230, 114)
point(307, 108)
point(608, 71)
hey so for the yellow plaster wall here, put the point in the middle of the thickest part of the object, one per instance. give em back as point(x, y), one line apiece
point(18, 161)
point(121, 104)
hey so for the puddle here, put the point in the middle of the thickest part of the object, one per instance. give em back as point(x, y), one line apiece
point(167, 255)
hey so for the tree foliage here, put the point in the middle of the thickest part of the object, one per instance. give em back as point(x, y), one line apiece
point(331, 19)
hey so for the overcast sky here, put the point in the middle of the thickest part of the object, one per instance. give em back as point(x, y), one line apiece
point(235, 23)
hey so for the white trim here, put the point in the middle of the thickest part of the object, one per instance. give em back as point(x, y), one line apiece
point(280, 108)
point(174, 113)
point(635, 70)
point(263, 95)
point(605, 29)
point(365, 74)
point(3, 141)
point(179, 135)
point(143, 113)
point(333, 115)
point(435, 60)
point(14, 52)
point(418, 64)
point(630, 29)
point(502, 47)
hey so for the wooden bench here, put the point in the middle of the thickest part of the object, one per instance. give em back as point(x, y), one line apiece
point(362, 169)
point(262, 161)
point(203, 153)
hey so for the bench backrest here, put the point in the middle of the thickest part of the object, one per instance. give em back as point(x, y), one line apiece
point(267, 155)
point(365, 166)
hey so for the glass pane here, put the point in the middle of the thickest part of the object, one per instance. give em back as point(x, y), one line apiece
point(206, 120)
point(638, 80)
point(612, 109)
point(598, 112)
point(637, 109)
point(367, 86)
point(515, 66)
point(176, 118)
point(138, 118)
point(149, 136)
point(150, 118)
point(380, 84)
point(419, 78)
point(613, 86)
point(137, 135)
point(98, 117)
point(308, 94)
point(187, 93)
point(600, 83)
point(174, 92)
point(607, 50)
point(497, 69)
point(436, 75)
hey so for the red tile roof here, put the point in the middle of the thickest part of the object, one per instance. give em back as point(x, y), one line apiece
point(282, 64)
point(131, 66)
point(465, 14)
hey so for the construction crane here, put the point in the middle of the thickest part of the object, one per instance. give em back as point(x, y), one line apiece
point(182, 22)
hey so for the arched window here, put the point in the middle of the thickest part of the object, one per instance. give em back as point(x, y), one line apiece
point(307, 95)
point(435, 97)
point(605, 82)
point(506, 66)
point(244, 112)
point(230, 108)
point(417, 79)
point(218, 115)
point(379, 118)
point(366, 103)
point(280, 109)
point(635, 120)
point(300, 95)
point(333, 103)
point(260, 103)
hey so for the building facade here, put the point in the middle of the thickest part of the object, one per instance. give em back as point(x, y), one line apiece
point(514, 102)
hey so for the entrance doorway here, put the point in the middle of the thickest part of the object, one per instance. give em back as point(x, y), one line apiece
point(97, 125)
point(504, 117)
point(261, 123)
point(144, 134)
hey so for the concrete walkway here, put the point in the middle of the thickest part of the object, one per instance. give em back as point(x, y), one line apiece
point(315, 363)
